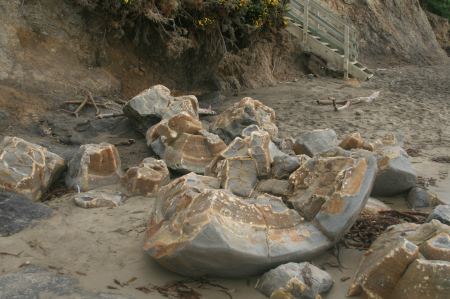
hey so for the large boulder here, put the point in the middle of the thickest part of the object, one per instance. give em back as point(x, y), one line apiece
point(27, 168)
point(183, 144)
point(197, 229)
point(18, 212)
point(147, 178)
point(230, 124)
point(94, 166)
point(315, 142)
point(295, 281)
point(396, 174)
point(154, 104)
point(407, 261)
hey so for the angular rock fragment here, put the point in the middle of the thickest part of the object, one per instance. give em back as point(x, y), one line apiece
point(441, 213)
point(315, 142)
point(230, 124)
point(27, 168)
point(388, 269)
point(259, 151)
point(395, 172)
point(437, 248)
point(18, 212)
point(101, 198)
point(239, 175)
point(182, 143)
point(147, 178)
point(154, 104)
point(355, 141)
point(94, 166)
point(283, 166)
point(295, 281)
point(424, 280)
point(275, 187)
point(333, 191)
point(237, 148)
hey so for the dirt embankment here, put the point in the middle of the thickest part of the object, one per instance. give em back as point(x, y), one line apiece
point(391, 32)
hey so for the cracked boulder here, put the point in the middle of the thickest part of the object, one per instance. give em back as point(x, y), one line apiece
point(275, 187)
point(154, 104)
point(315, 142)
point(295, 281)
point(18, 212)
point(441, 213)
point(407, 261)
point(100, 198)
point(147, 178)
point(230, 124)
point(332, 191)
point(26, 168)
point(239, 175)
point(396, 174)
point(183, 144)
point(198, 229)
point(94, 166)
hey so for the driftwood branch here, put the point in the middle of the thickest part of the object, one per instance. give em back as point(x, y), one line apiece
point(346, 103)
point(109, 115)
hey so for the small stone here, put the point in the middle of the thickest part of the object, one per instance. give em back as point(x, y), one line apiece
point(94, 166)
point(147, 178)
point(154, 104)
point(437, 248)
point(295, 281)
point(18, 212)
point(275, 187)
point(420, 198)
point(283, 166)
point(441, 213)
point(230, 124)
point(355, 141)
point(239, 175)
point(26, 168)
point(101, 198)
point(374, 206)
point(359, 112)
point(424, 280)
point(396, 174)
point(315, 142)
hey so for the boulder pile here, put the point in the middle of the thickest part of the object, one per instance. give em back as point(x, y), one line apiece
point(244, 201)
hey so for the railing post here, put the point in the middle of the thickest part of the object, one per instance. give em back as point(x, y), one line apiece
point(305, 21)
point(346, 51)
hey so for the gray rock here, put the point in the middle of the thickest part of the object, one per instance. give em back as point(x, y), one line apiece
point(259, 152)
point(18, 212)
point(295, 281)
point(33, 282)
point(247, 132)
point(99, 198)
point(275, 187)
point(94, 166)
point(437, 248)
point(396, 174)
point(154, 104)
point(283, 166)
point(230, 124)
point(239, 175)
point(27, 168)
point(374, 206)
point(441, 213)
point(419, 198)
point(315, 142)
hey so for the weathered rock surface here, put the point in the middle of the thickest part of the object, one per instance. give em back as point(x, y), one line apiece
point(259, 151)
point(183, 144)
point(355, 141)
point(395, 172)
point(239, 175)
point(94, 166)
point(374, 206)
point(147, 178)
point(315, 142)
point(198, 229)
point(27, 168)
point(230, 124)
point(34, 282)
point(18, 212)
point(394, 266)
point(441, 213)
point(275, 187)
point(283, 166)
point(421, 198)
point(295, 281)
point(333, 191)
point(154, 104)
point(99, 198)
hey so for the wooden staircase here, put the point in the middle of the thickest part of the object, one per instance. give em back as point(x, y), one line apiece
point(325, 35)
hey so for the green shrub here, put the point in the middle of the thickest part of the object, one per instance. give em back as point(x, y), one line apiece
point(439, 7)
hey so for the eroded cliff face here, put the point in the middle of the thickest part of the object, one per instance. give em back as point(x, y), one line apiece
point(441, 27)
point(391, 31)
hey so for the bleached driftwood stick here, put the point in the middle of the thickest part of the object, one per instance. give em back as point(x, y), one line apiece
point(347, 103)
